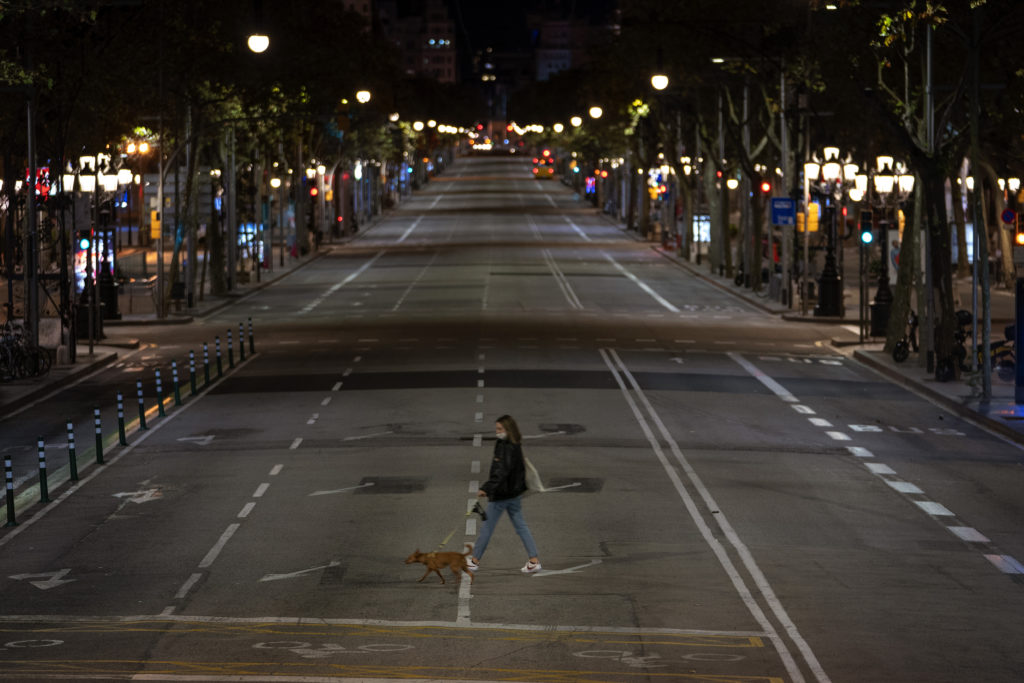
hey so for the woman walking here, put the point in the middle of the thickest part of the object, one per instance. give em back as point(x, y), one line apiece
point(505, 487)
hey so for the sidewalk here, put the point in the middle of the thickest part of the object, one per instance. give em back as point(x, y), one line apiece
point(120, 335)
point(962, 397)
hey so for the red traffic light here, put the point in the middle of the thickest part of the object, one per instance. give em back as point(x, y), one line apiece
point(313, 191)
point(766, 187)
point(547, 152)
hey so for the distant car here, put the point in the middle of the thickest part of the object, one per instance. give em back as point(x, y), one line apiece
point(544, 165)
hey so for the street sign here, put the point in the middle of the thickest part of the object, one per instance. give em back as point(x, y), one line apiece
point(783, 211)
point(1009, 216)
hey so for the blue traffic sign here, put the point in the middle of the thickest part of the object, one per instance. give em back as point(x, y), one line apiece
point(783, 211)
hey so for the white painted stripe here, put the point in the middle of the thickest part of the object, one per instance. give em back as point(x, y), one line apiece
point(642, 285)
point(462, 618)
point(474, 486)
point(477, 439)
point(295, 443)
point(260, 490)
point(709, 537)
point(860, 452)
point(337, 385)
point(276, 470)
point(479, 371)
point(219, 546)
point(803, 410)
point(415, 223)
point(764, 379)
point(479, 384)
point(903, 486)
point(474, 467)
point(879, 468)
point(357, 359)
point(347, 372)
point(246, 509)
point(819, 422)
point(479, 417)
point(969, 534)
point(187, 586)
point(935, 509)
point(325, 401)
point(471, 526)
point(575, 227)
point(479, 398)
point(1004, 563)
point(839, 436)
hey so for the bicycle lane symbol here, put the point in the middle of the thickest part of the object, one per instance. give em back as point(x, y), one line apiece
point(31, 644)
point(308, 651)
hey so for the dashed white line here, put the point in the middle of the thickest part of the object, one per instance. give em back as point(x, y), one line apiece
point(219, 546)
point(295, 443)
point(337, 385)
point(477, 439)
point(934, 509)
point(903, 486)
point(260, 490)
point(325, 401)
point(969, 534)
point(474, 486)
point(879, 468)
point(819, 422)
point(839, 436)
point(187, 586)
point(246, 509)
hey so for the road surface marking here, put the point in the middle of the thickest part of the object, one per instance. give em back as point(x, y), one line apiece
point(246, 509)
point(211, 556)
point(415, 223)
point(570, 570)
point(935, 509)
point(819, 422)
point(860, 452)
point(337, 385)
point(260, 490)
point(53, 579)
point(350, 488)
point(642, 285)
point(366, 436)
point(619, 370)
point(187, 586)
point(839, 436)
point(276, 470)
point(969, 534)
point(295, 443)
point(302, 572)
point(764, 379)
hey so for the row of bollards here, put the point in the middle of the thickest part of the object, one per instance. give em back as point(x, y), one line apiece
point(44, 492)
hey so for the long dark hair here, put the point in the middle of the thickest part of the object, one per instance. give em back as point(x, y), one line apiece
point(511, 428)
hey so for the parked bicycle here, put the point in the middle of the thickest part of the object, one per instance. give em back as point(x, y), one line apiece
point(19, 358)
point(908, 342)
point(1004, 359)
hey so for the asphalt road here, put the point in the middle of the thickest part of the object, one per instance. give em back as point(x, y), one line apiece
point(733, 499)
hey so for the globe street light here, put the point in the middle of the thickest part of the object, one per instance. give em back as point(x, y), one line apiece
point(595, 112)
point(576, 121)
point(558, 127)
point(659, 81)
point(363, 96)
point(258, 42)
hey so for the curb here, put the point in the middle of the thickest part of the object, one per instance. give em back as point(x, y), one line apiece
point(946, 402)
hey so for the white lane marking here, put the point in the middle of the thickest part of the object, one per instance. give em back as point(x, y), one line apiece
point(934, 509)
point(619, 370)
point(479, 417)
point(415, 223)
point(337, 385)
point(803, 410)
point(903, 486)
point(566, 486)
point(295, 443)
point(246, 509)
point(570, 570)
point(276, 470)
point(764, 379)
point(366, 436)
point(260, 490)
point(436, 201)
point(474, 467)
point(313, 418)
point(839, 436)
point(860, 452)
point(562, 281)
point(350, 488)
point(219, 545)
point(338, 285)
point(474, 486)
point(479, 398)
point(819, 422)
point(187, 586)
point(325, 401)
point(347, 372)
point(879, 468)
point(301, 572)
point(579, 231)
point(478, 439)
point(480, 384)
point(642, 285)
point(465, 594)
point(969, 534)
point(1004, 563)
point(471, 526)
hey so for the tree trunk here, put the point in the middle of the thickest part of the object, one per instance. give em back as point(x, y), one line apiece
point(963, 264)
point(934, 187)
point(909, 259)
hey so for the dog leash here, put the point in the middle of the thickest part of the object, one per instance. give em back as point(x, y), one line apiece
point(477, 508)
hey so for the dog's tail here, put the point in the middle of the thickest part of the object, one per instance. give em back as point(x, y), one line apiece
point(469, 549)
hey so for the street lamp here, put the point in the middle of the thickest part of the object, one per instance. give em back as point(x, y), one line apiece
point(576, 121)
point(417, 126)
point(363, 96)
point(595, 112)
point(558, 127)
point(659, 81)
point(830, 180)
point(891, 181)
point(258, 42)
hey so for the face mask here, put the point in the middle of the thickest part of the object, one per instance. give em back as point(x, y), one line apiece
point(501, 435)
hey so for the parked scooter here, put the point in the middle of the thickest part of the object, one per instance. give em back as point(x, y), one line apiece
point(1004, 360)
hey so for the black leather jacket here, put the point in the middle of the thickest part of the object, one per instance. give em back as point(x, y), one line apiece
point(508, 472)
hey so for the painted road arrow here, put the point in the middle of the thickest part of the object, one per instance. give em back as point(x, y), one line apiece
point(292, 575)
point(140, 496)
point(53, 579)
point(199, 440)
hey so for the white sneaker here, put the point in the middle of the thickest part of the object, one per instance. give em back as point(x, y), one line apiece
point(531, 568)
point(471, 564)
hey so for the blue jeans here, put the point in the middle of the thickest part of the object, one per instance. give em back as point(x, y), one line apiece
point(514, 507)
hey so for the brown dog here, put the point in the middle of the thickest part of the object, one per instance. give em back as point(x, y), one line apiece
point(435, 562)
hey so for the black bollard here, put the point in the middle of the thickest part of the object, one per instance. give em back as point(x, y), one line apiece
point(174, 376)
point(241, 342)
point(252, 339)
point(159, 395)
point(44, 489)
point(9, 479)
point(220, 368)
point(142, 405)
point(121, 438)
point(72, 457)
point(206, 365)
point(99, 435)
point(231, 352)
point(192, 372)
